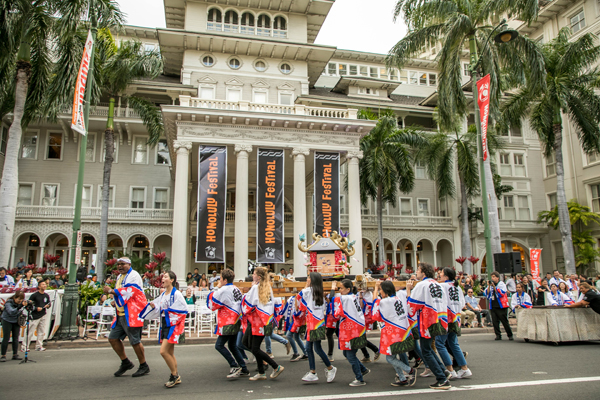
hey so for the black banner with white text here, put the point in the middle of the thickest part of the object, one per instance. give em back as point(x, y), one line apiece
point(327, 193)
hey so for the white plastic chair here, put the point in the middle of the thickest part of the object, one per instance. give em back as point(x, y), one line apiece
point(190, 320)
point(105, 323)
point(92, 317)
point(205, 320)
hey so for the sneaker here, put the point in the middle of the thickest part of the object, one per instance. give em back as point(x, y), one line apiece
point(288, 347)
point(453, 375)
point(295, 357)
point(259, 377)
point(271, 355)
point(448, 374)
point(441, 385)
point(330, 358)
point(16, 357)
point(511, 338)
point(464, 373)
point(245, 372)
point(426, 374)
point(330, 374)
point(3, 359)
point(418, 363)
point(377, 355)
point(265, 367)
point(366, 360)
point(173, 380)
point(124, 368)
point(304, 357)
point(310, 377)
point(398, 383)
point(234, 372)
point(144, 370)
point(366, 372)
point(498, 337)
point(277, 372)
point(465, 354)
point(356, 382)
point(40, 349)
point(412, 379)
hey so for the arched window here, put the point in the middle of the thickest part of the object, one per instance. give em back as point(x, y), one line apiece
point(247, 24)
point(263, 25)
point(231, 21)
point(279, 27)
point(215, 20)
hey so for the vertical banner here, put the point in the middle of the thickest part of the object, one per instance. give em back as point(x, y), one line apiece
point(483, 100)
point(534, 258)
point(77, 121)
point(212, 190)
point(269, 207)
point(327, 193)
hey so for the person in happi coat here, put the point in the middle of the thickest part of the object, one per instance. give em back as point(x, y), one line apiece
point(520, 299)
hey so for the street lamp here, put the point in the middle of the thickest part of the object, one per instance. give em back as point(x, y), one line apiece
point(504, 36)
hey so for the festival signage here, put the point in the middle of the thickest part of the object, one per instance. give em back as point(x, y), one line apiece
point(212, 191)
point(483, 100)
point(269, 207)
point(534, 258)
point(327, 193)
point(77, 120)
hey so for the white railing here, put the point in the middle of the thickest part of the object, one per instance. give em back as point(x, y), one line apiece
point(507, 223)
point(288, 217)
point(401, 220)
point(66, 212)
point(101, 110)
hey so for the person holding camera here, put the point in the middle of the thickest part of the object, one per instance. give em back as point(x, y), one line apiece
point(498, 300)
point(40, 302)
point(10, 324)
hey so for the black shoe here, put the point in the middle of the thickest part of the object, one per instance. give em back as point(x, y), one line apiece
point(173, 380)
point(142, 370)
point(400, 383)
point(511, 338)
point(16, 357)
point(418, 363)
point(498, 337)
point(366, 372)
point(304, 357)
point(441, 385)
point(295, 357)
point(3, 359)
point(124, 368)
point(245, 372)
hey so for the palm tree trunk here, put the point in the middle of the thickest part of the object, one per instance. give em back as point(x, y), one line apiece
point(380, 224)
point(493, 220)
point(109, 141)
point(465, 237)
point(564, 222)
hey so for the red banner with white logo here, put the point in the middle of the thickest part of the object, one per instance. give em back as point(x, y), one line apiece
point(483, 100)
point(77, 121)
point(534, 258)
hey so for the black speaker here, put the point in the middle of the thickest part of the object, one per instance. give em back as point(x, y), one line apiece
point(515, 262)
point(502, 263)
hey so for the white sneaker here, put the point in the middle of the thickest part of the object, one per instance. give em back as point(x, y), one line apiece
point(453, 375)
point(426, 374)
point(310, 377)
point(357, 383)
point(41, 349)
point(464, 373)
point(330, 374)
point(234, 372)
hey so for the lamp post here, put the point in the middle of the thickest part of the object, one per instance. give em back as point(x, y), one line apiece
point(504, 36)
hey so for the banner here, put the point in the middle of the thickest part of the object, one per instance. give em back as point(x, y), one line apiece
point(327, 193)
point(77, 121)
point(269, 207)
point(212, 192)
point(483, 100)
point(534, 258)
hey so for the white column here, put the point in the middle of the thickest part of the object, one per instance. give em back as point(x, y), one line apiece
point(11, 263)
point(310, 221)
point(41, 257)
point(241, 211)
point(299, 155)
point(414, 260)
point(179, 256)
point(435, 259)
point(354, 215)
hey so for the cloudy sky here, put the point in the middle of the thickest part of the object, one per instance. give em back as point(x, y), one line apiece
point(365, 25)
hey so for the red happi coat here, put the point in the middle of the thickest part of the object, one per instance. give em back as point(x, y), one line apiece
point(315, 315)
point(367, 306)
point(429, 306)
point(392, 312)
point(227, 301)
point(352, 320)
point(330, 319)
point(173, 308)
point(259, 315)
point(501, 295)
point(131, 297)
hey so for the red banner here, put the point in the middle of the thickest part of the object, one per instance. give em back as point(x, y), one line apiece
point(534, 258)
point(77, 122)
point(483, 100)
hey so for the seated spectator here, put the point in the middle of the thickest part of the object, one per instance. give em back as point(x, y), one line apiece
point(27, 281)
point(88, 282)
point(511, 284)
point(590, 298)
point(472, 305)
point(520, 299)
point(282, 273)
point(6, 280)
point(194, 286)
point(190, 278)
point(204, 285)
point(189, 296)
point(529, 288)
point(598, 281)
point(541, 293)
point(558, 298)
point(573, 283)
point(56, 282)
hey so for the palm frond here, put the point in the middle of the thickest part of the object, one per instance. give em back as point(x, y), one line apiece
point(151, 117)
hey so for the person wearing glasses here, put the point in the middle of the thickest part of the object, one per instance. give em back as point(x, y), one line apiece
point(472, 305)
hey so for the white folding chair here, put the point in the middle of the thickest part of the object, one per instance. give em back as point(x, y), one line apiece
point(106, 317)
point(190, 320)
point(92, 317)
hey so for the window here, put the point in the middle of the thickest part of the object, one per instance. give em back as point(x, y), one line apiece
point(444, 212)
point(260, 66)
point(263, 25)
point(4, 140)
point(54, 146)
point(505, 168)
point(595, 197)
point(260, 97)
point(383, 74)
point(519, 166)
point(234, 94)
point(208, 61)
point(385, 210)
point(369, 91)
point(403, 77)
point(364, 71)
point(331, 69)
point(231, 21)
point(215, 20)
point(207, 93)
point(420, 170)
point(140, 150)
point(90, 150)
point(234, 63)
point(577, 21)
point(111, 196)
point(509, 208)
point(25, 194)
point(138, 197)
point(343, 69)
point(394, 74)
point(373, 72)
point(162, 153)
point(149, 47)
point(86, 196)
point(406, 207)
point(423, 79)
point(466, 70)
point(49, 197)
point(279, 27)
point(423, 207)
point(365, 209)
point(432, 79)
point(353, 70)
point(550, 165)
point(515, 131)
point(161, 198)
point(524, 212)
point(593, 158)
point(247, 24)
point(285, 99)
point(285, 68)
point(413, 77)
point(552, 200)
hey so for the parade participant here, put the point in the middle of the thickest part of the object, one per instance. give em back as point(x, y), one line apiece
point(27, 281)
point(556, 279)
point(10, 324)
point(331, 326)
point(590, 298)
point(130, 301)
point(558, 298)
point(520, 299)
point(171, 308)
point(352, 333)
point(498, 300)
point(529, 288)
point(258, 305)
point(312, 301)
point(427, 302)
point(277, 315)
point(294, 323)
point(396, 338)
point(226, 299)
point(572, 283)
point(6, 280)
point(367, 307)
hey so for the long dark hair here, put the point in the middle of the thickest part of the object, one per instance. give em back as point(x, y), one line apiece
point(451, 275)
point(316, 284)
point(347, 283)
point(174, 277)
point(388, 288)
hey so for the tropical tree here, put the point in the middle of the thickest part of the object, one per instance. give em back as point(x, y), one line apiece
point(29, 31)
point(571, 81)
point(461, 25)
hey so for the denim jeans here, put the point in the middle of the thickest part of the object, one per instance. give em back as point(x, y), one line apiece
point(294, 337)
point(357, 366)
point(230, 340)
point(311, 355)
point(276, 338)
point(443, 342)
point(240, 345)
point(399, 365)
point(432, 360)
point(420, 353)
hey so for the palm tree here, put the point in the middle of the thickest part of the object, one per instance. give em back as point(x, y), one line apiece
point(570, 84)
point(466, 25)
point(28, 32)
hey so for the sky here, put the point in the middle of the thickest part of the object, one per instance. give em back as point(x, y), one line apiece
point(363, 25)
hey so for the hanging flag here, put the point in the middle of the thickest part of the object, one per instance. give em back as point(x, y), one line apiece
point(269, 207)
point(483, 100)
point(212, 192)
point(327, 193)
point(77, 121)
point(534, 257)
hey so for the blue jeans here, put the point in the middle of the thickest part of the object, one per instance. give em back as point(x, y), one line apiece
point(276, 338)
point(420, 353)
point(230, 340)
point(399, 365)
point(357, 366)
point(432, 360)
point(450, 341)
point(240, 345)
point(294, 337)
point(311, 355)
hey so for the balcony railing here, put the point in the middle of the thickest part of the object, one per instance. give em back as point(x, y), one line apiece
point(101, 110)
point(288, 217)
point(401, 220)
point(93, 213)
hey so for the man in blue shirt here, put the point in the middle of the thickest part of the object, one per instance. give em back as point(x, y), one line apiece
point(472, 304)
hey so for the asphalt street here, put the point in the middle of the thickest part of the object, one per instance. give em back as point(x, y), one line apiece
point(501, 370)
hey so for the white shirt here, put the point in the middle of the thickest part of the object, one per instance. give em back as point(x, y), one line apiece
point(7, 281)
point(23, 283)
point(290, 276)
point(557, 281)
point(212, 281)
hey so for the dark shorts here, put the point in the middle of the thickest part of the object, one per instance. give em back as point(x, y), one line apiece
point(121, 331)
point(164, 329)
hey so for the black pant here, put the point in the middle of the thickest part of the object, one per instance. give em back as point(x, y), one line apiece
point(500, 315)
point(7, 329)
point(330, 342)
point(371, 347)
point(253, 342)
